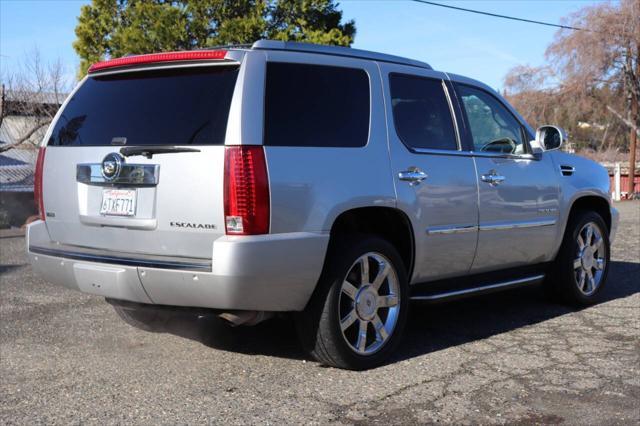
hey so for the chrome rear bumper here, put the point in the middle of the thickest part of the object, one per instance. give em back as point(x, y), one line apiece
point(276, 272)
point(97, 256)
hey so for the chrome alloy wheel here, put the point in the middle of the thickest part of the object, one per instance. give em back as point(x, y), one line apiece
point(590, 260)
point(369, 303)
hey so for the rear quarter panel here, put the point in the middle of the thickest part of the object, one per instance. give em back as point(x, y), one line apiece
point(311, 186)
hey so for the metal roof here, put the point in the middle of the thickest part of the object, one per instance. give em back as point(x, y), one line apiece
point(9, 161)
point(50, 98)
point(336, 50)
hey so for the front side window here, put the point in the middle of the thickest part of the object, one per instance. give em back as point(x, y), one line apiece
point(421, 113)
point(493, 128)
point(316, 106)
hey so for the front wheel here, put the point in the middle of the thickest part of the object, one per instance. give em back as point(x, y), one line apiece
point(357, 314)
point(582, 265)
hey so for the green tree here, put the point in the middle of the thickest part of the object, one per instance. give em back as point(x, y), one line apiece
point(112, 28)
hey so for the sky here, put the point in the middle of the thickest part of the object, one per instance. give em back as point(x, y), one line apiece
point(481, 47)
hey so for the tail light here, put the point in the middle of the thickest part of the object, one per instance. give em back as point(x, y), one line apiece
point(246, 191)
point(37, 184)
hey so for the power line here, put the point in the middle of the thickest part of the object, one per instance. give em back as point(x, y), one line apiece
point(495, 15)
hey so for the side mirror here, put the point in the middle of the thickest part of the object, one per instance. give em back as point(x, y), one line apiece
point(550, 137)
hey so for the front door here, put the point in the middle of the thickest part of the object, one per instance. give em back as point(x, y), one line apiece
point(518, 192)
point(435, 182)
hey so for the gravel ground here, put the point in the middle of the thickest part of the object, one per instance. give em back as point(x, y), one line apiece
point(514, 358)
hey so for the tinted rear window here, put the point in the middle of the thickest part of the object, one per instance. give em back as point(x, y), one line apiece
point(314, 105)
point(161, 107)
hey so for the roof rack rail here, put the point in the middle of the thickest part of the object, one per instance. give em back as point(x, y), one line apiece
point(226, 46)
point(335, 50)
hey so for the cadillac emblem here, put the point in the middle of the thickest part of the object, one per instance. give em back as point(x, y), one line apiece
point(112, 165)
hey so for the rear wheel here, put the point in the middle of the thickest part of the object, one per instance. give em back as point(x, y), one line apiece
point(582, 265)
point(358, 312)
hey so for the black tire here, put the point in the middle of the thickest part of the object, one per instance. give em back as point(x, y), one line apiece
point(563, 282)
point(140, 317)
point(318, 325)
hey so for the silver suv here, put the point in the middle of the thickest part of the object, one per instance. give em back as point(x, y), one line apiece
point(333, 183)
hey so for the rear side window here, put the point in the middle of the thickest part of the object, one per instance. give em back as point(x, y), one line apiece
point(421, 113)
point(187, 106)
point(314, 105)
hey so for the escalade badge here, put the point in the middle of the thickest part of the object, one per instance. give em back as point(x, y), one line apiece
point(192, 225)
point(112, 165)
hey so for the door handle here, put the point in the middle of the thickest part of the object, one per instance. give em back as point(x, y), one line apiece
point(413, 175)
point(493, 178)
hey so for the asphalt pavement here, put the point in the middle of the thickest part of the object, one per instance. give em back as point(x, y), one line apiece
point(512, 358)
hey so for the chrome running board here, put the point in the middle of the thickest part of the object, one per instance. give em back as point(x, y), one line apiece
point(504, 285)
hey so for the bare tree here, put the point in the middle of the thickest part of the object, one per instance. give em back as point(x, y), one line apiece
point(604, 58)
point(529, 90)
point(543, 98)
point(29, 98)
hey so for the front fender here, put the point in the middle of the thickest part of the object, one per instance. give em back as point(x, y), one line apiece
point(589, 179)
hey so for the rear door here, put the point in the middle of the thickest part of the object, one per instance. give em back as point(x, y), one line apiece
point(435, 182)
point(168, 204)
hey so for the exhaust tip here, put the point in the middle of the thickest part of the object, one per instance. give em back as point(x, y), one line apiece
point(248, 318)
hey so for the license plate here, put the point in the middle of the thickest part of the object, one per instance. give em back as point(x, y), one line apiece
point(118, 202)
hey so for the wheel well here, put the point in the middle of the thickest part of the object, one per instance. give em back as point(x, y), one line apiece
point(388, 223)
point(593, 203)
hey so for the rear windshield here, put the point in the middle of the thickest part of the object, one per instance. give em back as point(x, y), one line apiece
point(187, 106)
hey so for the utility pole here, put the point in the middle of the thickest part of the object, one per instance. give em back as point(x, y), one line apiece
point(635, 101)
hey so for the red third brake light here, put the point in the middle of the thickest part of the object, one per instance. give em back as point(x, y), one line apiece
point(246, 190)
point(37, 183)
point(190, 55)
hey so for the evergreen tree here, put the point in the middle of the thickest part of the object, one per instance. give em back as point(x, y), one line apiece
point(112, 28)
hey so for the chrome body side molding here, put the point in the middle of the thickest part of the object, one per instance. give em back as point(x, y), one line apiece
point(451, 229)
point(517, 225)
point(456, 229)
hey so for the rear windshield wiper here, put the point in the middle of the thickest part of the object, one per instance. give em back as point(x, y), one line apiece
point(149, 151)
